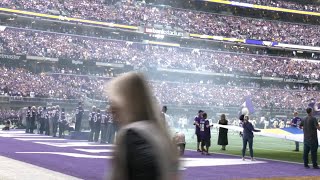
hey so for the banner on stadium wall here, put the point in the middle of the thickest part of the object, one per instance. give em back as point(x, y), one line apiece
point(166, 32)
point(293, 46)
point(263, 43)
point(12, 57)
point(270, 8)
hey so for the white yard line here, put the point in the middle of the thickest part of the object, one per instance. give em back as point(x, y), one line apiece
point(11, 169)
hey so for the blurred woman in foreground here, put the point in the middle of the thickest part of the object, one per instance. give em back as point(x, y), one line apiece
point(144, 149)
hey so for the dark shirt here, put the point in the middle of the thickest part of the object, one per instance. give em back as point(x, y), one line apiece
point(57, 114)
point(29, 114)
point(223, 122)
point(141, 162)
point(197, 120)
point(79, 111)
point(63, 117)
point(98, 118)
point(248, 130)
point(207, 131)
point(92, 116)
point(34, 114)
point(309, 125)
point(295, 122)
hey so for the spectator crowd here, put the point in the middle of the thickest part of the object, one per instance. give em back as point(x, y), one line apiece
point(45, 44)
point(24, 83)
point(133, 13)
point(6, 114)
point(21, 82)
point(303, 6)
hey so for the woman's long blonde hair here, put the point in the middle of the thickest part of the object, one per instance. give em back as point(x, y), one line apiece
point(131, 91)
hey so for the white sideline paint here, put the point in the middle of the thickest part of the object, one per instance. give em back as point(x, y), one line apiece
point(95, 150)
point(75, 144)
point(76, 155)
point(23, 135)
point(39, 139)
point(12, 132)
point(11, 169)
point(186, 162)
point(201, 162)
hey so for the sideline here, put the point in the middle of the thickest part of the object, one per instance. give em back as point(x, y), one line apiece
point(255, 157)
point(13, 169)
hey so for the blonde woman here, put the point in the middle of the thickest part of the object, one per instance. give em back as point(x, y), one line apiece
point(143, 148)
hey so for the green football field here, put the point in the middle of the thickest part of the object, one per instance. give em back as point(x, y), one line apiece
point(263, 147)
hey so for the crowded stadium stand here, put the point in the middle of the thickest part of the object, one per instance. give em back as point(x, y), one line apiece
point(311, 6)
point(193, 22)
point(216, 56)
point(52, 45)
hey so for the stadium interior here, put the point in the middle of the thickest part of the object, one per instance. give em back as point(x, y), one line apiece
point(215, 55)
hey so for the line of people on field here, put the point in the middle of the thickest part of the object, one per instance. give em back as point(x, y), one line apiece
point(101, 123)
point(203, 133)
point(46, 120)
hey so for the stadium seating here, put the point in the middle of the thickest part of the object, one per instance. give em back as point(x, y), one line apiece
point(44, 44)
point(189, 21)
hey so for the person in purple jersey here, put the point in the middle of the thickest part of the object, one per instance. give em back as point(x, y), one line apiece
point(197, 124)
point(205, 133)
point(295, 122)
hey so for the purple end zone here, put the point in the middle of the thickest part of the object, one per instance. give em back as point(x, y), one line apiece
point(78, 167)
point(86, 168)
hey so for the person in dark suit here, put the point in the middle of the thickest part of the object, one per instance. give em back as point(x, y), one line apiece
point(55, 121)
point(79, 114)
point(46, 121)
point(97, 125)
point(28, 119)
point(111, 130)
point(248, 130)
point(104, 126)
point(310, 126)
point(42, 119)
point(92, 117)
point(33, 119)
point(223, 133)
point(62, 123)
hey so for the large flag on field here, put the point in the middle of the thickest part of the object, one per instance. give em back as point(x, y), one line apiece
point(247, 106)
point(289, 133)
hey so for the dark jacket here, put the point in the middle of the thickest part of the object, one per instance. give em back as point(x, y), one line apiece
point(141, 160)
point(248, 130)
point(143, 153)
point(223, 134)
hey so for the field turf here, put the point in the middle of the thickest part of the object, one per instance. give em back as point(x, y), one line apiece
point(263, 147)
